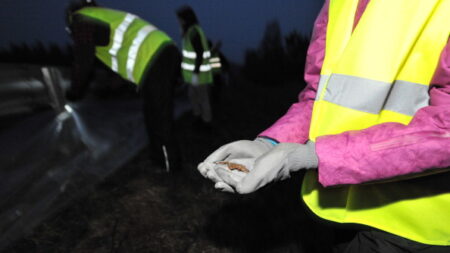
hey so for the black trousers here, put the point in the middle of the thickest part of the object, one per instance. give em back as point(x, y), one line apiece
point(372, 241)
point(157, 90)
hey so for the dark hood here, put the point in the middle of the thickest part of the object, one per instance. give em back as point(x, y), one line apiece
point(187, 16)
point(73, 6)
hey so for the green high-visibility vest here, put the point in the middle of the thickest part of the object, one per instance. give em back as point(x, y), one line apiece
point(189, 56)
point(133, 45)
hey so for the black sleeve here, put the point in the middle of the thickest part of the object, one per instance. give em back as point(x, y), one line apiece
point(83, 35)
point(224, 62)
point(198, 48)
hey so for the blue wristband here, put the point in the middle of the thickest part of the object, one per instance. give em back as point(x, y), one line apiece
point(272, 141)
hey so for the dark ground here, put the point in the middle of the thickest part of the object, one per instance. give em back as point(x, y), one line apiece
point(141, 208)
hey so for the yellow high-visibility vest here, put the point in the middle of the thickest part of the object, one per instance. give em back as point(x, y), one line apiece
point(380, 72)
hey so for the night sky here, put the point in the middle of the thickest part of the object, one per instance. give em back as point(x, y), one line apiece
point(239, 24)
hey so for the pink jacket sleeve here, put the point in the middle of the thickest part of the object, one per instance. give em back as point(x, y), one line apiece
point(391, 149)
point(294, 125)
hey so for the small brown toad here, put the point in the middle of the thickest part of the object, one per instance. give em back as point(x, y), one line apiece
point(234, 166)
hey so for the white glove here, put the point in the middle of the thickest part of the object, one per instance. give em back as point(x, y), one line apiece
point(195, 79)
point(277, 164)
point(243, 149)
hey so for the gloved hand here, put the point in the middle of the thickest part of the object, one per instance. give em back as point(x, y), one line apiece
point(243, 149)
point(195, 79)
point(277, 164)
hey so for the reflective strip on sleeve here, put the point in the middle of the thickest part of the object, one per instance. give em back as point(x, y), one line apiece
point(118, 39)
point(214, 59)
point(216, 65)
point(193, 55)
point(370, 95)
point(134, 49)
point(191, 67)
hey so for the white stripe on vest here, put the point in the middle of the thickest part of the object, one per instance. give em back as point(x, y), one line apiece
point(134, 49)
point(118, 39)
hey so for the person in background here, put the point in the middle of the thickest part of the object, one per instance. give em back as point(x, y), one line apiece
point(195, 67)
point(371, 130)
point(138, 52)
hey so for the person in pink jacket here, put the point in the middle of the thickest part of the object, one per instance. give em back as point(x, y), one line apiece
point(385, 151)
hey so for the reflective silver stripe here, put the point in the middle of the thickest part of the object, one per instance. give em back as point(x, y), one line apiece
point(134, 48)
point(357, 93)
point(189, 55)
point(206, 54)
point(193, 55)
point(114, 64)
point(166, 158)
point(191, 67)
point(214, 59)
point(322, 81)
point(370, 95)
point(407, 98)
point(118, 39)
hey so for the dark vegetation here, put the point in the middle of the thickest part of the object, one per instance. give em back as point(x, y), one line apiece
point(141, 208)
point(277, 60)
point(37, 53)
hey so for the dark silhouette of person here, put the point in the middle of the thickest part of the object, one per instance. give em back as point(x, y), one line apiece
point(195, 67)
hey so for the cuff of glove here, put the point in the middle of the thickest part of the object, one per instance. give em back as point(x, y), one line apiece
point(305, 155)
